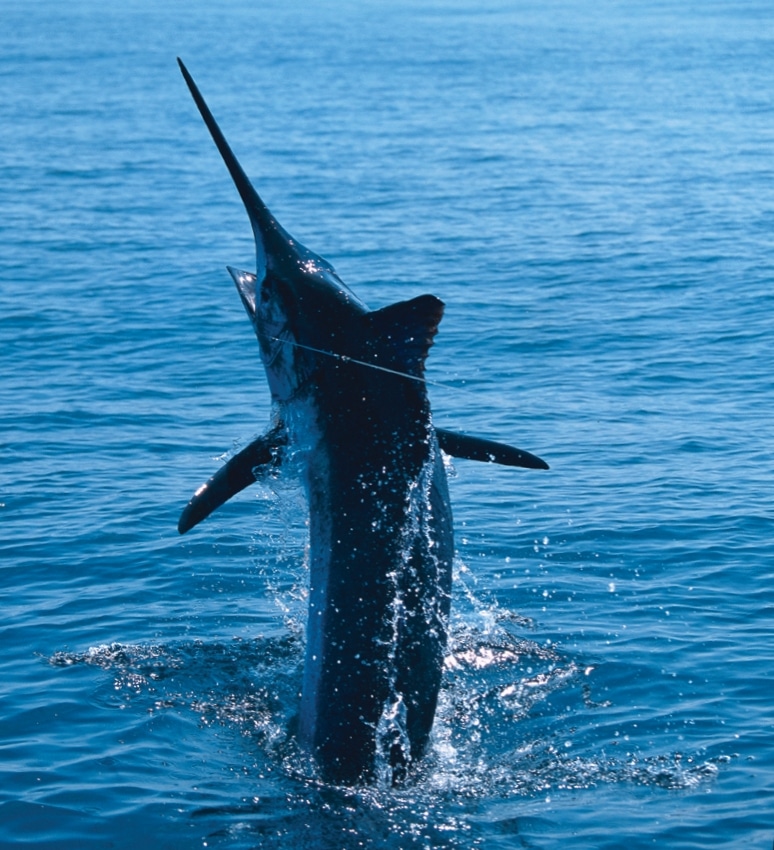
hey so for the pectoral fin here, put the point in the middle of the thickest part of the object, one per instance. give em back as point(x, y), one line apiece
point(474, 448)
point(239, 472)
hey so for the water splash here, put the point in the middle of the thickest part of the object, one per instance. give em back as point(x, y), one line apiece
point(501, 731)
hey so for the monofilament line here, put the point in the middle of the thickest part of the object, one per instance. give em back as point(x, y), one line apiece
point(346, 359)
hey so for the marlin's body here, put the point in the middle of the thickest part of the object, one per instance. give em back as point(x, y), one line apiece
point(381, 537)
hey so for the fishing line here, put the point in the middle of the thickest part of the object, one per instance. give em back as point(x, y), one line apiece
point(346, 359)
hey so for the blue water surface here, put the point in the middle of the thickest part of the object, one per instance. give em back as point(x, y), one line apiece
point(590, 190)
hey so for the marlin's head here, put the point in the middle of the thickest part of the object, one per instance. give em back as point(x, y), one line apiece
point(297, 303)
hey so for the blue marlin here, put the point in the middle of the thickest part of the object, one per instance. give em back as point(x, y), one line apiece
point(350, 405)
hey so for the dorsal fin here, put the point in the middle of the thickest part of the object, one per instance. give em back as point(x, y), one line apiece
point(399, 336)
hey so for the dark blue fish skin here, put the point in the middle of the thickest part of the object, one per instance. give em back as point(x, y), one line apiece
point(381, 530)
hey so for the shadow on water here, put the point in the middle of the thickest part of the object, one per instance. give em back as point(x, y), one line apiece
point(516, 721)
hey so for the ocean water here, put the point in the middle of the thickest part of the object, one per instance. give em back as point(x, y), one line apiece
point(590, 190)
